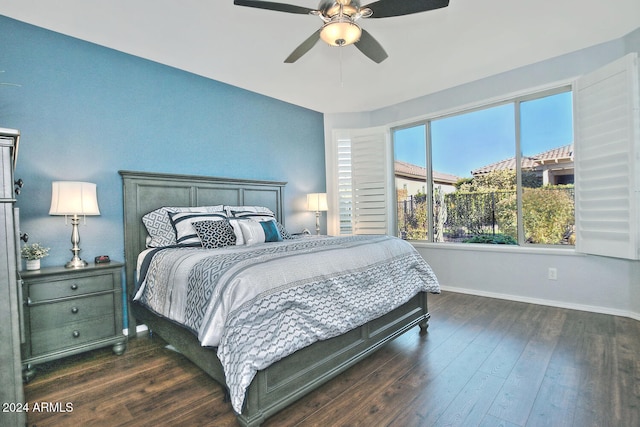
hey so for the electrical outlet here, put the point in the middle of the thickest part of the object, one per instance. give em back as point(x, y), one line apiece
point(553, 273)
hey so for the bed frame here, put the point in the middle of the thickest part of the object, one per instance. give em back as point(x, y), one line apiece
point(289, 379)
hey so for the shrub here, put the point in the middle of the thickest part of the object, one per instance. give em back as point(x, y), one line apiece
point(494, 239)
point(547, 213)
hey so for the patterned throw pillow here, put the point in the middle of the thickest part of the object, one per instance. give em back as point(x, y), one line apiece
point(283, 232)
point(159, 227)
point(215, 234)
point(235, 210)
point(258, 216)
point(186, 234)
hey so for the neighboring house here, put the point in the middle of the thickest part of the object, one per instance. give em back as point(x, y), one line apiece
point(413, 178)
point(554, 166)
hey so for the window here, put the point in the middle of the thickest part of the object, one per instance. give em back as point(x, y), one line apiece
point(546, 144)
point(410, 176)
point(508, 172)
point(479, 189)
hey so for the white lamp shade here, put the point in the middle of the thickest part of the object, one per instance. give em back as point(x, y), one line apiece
point(73, 198)
point(317, 202)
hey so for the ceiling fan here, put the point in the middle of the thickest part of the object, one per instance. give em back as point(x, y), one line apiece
point(340, 27)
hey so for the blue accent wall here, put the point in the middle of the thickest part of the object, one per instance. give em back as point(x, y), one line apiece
point(86, 111)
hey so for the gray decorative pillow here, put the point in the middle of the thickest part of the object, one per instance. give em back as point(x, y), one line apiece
point(215, 234)
point(283, 232)
point(159, 227)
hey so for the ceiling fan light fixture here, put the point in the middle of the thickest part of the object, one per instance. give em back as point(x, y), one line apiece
point(341, 32)
point(340, 17)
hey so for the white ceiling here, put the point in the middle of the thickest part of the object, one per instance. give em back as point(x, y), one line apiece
point(246, 47)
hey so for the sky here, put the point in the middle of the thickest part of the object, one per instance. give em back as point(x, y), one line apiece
point(465, 142)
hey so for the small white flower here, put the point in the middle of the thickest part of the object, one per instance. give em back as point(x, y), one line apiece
point(34, 251)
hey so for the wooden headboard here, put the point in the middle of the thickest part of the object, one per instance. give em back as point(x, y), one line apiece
point(144, 192)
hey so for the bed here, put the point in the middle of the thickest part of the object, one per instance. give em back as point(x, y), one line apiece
point(278, 379)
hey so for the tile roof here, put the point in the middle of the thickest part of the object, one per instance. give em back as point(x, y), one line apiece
point(508, 164)
point(409, 170)
point(554, 155)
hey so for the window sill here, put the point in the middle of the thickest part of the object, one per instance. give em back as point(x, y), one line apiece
point(479, 247)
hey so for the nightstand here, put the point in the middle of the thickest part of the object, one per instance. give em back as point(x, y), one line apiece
point(70, 311)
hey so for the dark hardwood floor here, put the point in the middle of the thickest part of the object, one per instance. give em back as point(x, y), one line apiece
point(484, 362)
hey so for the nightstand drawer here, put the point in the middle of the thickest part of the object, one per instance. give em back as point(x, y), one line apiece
point(69, 287)
point(51, 316)
point(72, 334)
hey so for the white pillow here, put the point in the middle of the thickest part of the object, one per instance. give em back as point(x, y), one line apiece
point(237, 230)
point(259, 231)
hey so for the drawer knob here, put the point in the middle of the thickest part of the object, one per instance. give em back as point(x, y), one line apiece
point(76, 334)
point(74, 287)
point(74, 310)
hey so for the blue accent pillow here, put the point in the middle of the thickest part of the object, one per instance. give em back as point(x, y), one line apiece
point(271, 233)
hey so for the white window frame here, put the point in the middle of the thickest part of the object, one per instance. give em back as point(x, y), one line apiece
point(516, 100)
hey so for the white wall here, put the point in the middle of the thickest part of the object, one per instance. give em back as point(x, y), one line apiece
point(584, 282)
point(592, 283)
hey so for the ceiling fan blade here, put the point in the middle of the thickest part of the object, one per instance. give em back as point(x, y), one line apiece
point(280, 7)
point(304, 47)
point(371, 48)
point(389, 8)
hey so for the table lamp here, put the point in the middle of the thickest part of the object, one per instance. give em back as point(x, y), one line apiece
point(74, 199)
point(317, 202)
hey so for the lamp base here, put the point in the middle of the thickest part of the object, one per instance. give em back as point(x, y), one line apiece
point(76, 263)
point(318, 223)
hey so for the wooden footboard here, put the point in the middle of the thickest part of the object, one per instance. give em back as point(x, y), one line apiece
point(291, 378)
point(302, 372)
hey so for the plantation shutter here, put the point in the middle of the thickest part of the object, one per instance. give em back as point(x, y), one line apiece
point(607, 132)
point(370, 179)
point(345, 188)
point(358, 182)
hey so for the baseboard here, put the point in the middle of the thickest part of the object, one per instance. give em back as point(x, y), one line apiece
point(551, 303)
